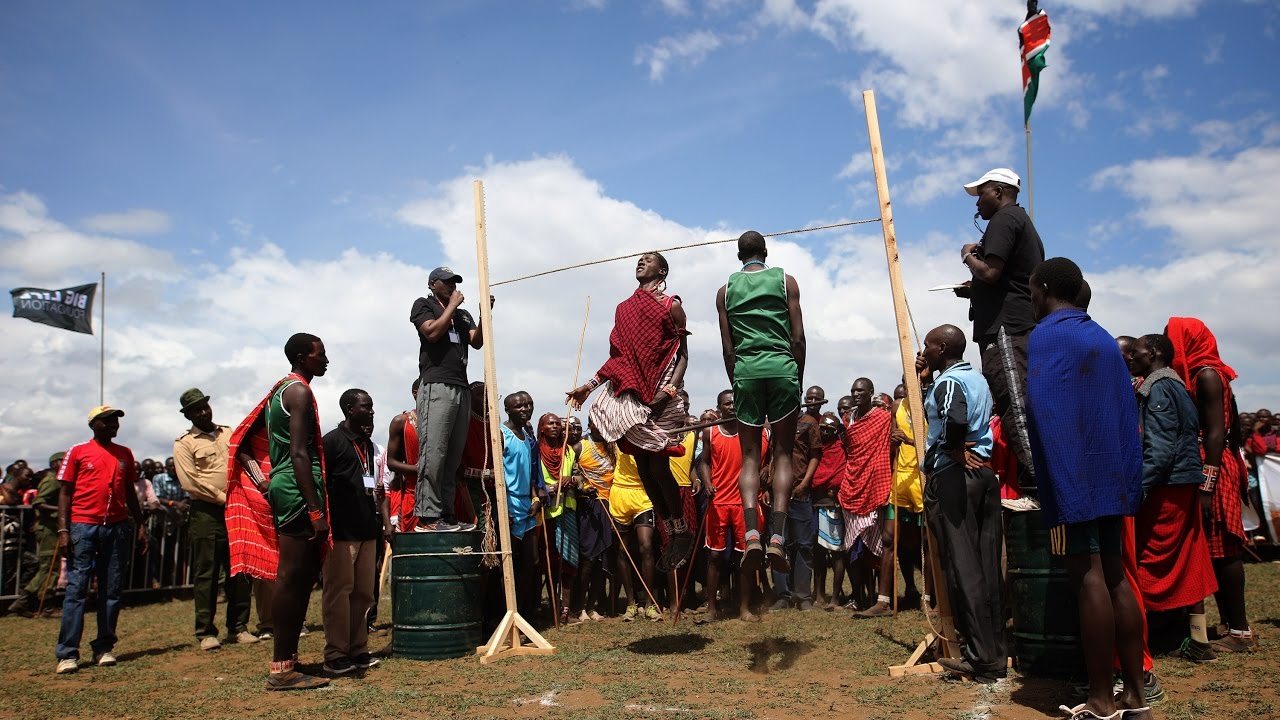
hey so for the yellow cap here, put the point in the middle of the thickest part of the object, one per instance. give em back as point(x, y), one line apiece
point(104, 410)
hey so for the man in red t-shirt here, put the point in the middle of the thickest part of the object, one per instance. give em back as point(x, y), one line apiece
point(718, 468)
point(96, 501)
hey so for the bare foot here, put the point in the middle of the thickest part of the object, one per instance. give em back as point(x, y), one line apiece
point(747, 617)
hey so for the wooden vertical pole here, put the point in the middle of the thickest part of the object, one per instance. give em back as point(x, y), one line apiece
point(505, 640)
point(914, 399)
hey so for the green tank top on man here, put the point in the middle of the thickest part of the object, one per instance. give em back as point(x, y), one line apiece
point(760, 324)
point(286, 499)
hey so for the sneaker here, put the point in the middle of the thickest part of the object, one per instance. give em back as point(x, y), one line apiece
point(244, 637)
point(806, 605)
point(304, 631)
point(466, 526)
point(964, 668)
point(104, 659)
point(339, 666)
point(780, 604)
point(294, 680)
point(67, 666)
point(365, 661)
point(1152, 688)
point(630, 614)
point(437, 527)
point(595, 616)
point(1197, 652)
point(209, 642)
point(265, 635)
point(653, 614)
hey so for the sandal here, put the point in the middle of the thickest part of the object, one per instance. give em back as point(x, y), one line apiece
point(1082, 712)
point(679, 548)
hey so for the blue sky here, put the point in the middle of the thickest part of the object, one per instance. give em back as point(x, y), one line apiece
point(180, 147)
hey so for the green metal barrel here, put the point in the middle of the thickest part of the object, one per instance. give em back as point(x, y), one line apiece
point(436, 594)
point(1046, 622)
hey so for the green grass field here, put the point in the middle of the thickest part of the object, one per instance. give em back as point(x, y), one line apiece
point(790, 665)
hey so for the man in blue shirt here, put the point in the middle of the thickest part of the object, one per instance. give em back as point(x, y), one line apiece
point(962, 500)
point(1083, 426)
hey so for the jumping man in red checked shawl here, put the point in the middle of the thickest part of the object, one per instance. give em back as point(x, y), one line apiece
point(648, 356)
point(1208, 379)
point(295, 495)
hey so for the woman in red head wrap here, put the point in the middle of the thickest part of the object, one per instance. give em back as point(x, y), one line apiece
point(1208, 379)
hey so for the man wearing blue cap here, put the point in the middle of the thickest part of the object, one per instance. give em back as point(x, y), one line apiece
point(445, 332)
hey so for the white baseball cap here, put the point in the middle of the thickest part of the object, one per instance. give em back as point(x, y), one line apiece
point(1004, 175)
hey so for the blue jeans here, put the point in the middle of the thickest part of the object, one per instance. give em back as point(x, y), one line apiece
point(100, 551)
point(802, 534)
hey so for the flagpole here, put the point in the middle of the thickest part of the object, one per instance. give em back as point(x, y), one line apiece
point(102, 339)
point(1031, 196)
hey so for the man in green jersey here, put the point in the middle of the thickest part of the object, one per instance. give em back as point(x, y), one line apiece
point(296, 495)
point(762, 337)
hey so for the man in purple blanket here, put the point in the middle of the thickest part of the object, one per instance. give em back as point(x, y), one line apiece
point(1083, 427)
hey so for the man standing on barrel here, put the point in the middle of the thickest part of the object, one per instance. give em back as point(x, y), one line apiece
point(1000, 265)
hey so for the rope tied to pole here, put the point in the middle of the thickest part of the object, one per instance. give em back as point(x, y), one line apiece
point(832, 226)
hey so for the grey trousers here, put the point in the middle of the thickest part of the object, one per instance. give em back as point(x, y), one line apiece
point(444, 414)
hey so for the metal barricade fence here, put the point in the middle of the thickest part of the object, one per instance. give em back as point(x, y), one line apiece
point(165, 567)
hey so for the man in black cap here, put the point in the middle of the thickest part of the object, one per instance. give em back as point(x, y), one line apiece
point(45, 506)
point(200, 461)
point(445, 332)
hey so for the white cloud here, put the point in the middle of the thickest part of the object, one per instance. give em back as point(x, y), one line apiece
point(689, 49)
point(1205, 202)
point(1136, 8)
point(1213, 49)
point(38, 249)
point(676, 7)
point(133, 222)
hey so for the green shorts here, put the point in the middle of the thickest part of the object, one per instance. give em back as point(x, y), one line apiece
point(1102, 536)
point(904, 515)
point(772, 399)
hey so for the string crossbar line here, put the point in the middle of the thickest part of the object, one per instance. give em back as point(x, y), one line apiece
point(682, 247)
point(456, 551)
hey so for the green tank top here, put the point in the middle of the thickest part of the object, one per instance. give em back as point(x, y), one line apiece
point(283, 477)
point(760, 325)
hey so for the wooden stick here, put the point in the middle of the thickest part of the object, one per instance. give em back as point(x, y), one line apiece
point(48, 580)
point(546, 550)
point(386, 567)
point(688, 573)
point(623, 542)
point(564, 447)
point(499, 642)
point(914, 399)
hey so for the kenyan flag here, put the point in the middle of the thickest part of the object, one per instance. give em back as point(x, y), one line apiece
point(1033, 40)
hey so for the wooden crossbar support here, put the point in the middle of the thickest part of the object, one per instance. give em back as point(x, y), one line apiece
point(506, 640)
point(914, 399)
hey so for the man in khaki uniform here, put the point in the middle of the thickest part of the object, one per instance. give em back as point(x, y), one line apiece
point(200, 458)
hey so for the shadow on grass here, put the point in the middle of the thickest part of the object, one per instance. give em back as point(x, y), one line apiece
point(151, 652)
point(1044, 694)
point(762, 650)
point(908, 646)
point(669, 644)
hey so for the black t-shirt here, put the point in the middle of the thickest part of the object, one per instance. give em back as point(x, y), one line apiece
point(445, 360)
point(353, 514)
point(1011, 237)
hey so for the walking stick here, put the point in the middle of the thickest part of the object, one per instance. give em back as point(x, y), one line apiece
point(546, 548)
point(688, 573)
point(48, 578)
point(564, 446)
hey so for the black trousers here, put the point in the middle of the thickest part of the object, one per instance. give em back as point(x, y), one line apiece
point(963, 510)
point(1003, 386)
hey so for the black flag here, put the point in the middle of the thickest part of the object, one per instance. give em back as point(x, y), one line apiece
point(68, 308)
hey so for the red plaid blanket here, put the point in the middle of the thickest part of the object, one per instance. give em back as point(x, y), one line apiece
point(869, 473)
point(644, 339)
